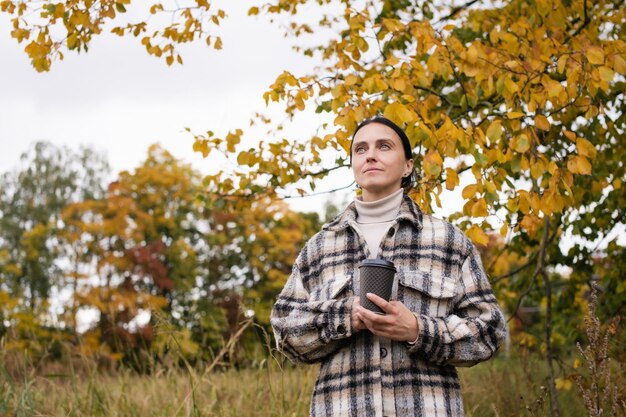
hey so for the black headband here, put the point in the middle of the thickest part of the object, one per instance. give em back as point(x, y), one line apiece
point(383, 120)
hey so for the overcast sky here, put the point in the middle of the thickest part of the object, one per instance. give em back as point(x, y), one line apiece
point(119, 99)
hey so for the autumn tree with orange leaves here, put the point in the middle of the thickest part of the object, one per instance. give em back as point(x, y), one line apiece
point(163, 247)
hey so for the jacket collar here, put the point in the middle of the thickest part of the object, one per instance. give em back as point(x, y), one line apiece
point(409, 211)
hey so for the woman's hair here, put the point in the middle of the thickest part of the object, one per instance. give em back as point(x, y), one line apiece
point(407, 182)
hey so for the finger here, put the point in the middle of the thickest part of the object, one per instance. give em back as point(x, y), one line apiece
point(374, 319)
point(380, 302)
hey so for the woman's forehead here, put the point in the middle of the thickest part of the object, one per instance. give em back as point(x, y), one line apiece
point(376, 131)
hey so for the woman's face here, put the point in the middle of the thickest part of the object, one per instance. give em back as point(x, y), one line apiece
point(378, 161)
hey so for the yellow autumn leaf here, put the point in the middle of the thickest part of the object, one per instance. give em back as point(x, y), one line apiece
point(595, 55)
point(514, 114)
point(579, 165)
point(494, 132)
point(524, 202)
point(244, 158)
point(537, 168)
point(232, 139)
point(72, 41)
point(374, 84)
point(554, 88)
point(570, 135)
point(541, 122)
point(398, 84)
point(504, 230)
point(563, 384)
point(472, 54)
point(202, 146)
point(477, 235)
point(619, 65)
point(561, 63)
point(400, 113)
point(585, 148)
point(393, 25)
point(521, 143)
point(606, 73)
point(510, 85)
point(512, 204)
point(479, 209)
point(350, 80)
point(452, 179)
point(433, 163)
point(469, 191)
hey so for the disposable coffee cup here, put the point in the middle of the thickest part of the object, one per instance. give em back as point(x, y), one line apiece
point(376, 276)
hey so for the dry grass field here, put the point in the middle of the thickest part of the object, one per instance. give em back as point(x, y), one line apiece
point(501, 387)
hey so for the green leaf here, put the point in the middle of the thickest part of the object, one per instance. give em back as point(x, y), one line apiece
point(494, 132)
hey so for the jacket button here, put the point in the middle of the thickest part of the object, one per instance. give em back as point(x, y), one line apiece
point(391, 232)
point(341, 329)
point(383, 353)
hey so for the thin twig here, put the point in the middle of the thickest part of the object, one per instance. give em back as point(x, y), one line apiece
point(456, 10)
point(581, 27)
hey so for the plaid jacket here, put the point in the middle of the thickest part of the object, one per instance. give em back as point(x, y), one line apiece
point(440, 279)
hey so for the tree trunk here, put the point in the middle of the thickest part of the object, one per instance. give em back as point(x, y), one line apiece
point(554, 399)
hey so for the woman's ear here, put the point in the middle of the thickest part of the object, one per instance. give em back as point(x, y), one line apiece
point(408, 169)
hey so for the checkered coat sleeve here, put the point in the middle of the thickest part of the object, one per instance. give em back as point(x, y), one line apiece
point(310, 323)
point(472, 332)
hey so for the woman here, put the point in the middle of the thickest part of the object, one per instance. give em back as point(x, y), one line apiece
point(442, 314)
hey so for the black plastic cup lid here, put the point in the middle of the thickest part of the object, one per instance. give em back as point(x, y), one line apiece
point(380, 263)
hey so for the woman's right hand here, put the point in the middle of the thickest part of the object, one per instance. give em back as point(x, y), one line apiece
point(357, 323)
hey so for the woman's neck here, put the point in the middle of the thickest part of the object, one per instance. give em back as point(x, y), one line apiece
point(384, 209)
point(370, 196)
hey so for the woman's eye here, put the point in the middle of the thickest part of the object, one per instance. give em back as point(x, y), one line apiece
point(385, 146)
point(359, 149)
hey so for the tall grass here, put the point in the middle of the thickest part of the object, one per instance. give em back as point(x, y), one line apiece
point(502, 387)
point(266, 391)
point(506, 386)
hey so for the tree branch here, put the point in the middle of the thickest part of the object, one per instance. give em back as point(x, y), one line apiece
point(516, 270)
point(457, 10)
point(540, 265)
point(582, 26)
point(433, 92)
point(325, 171)
point(318, 193)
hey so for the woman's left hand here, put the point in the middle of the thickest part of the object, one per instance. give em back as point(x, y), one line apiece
point(398, 324)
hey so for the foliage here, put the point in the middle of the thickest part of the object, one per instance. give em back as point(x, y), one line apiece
point(31, 199)
point(527, 97)
point(136, 236)
point(171, 269)
point(159, 257)
point(523, 102)
point(49, 27)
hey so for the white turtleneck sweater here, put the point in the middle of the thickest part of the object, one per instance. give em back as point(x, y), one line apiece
point(375, 217)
